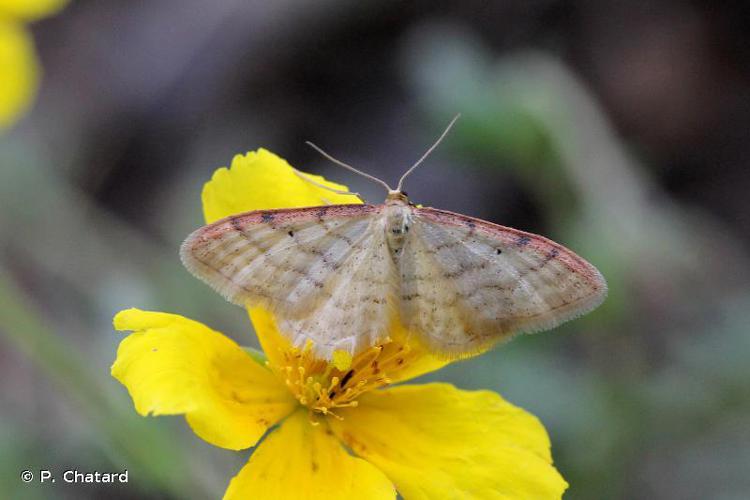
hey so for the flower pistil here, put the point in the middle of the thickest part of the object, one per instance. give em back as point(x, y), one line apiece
point(324, 386)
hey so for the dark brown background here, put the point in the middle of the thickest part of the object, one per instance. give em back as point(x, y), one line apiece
point(620, 129)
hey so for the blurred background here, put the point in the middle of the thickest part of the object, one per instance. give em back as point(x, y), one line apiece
point(618, 128)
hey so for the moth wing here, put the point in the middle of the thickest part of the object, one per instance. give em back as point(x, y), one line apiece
point(324, 272)
point(467, 284)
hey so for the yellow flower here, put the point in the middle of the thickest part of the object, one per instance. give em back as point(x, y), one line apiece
point(19, 68)
point(341, 432)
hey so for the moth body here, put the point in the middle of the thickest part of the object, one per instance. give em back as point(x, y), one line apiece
point(398, 221)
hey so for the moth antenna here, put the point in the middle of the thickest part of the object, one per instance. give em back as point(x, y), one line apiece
point(427, 153)
point(348, 167)
point(305, 178)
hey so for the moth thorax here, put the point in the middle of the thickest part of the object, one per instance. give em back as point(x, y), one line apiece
point(397, 225)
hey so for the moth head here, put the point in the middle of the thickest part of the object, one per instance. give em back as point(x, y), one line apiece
point(396, 196)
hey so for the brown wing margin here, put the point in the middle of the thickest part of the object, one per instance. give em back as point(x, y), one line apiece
point(510, 236)
point(203, 238)
point(277, 216)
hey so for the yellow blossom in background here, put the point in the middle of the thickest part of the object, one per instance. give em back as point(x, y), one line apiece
point(30, 10)
point(335, 429)
point(19, 68)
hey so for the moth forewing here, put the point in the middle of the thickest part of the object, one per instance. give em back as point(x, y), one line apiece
point(467, 284)
point(323, 271)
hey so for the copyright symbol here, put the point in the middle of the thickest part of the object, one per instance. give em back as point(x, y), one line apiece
point(27, 476)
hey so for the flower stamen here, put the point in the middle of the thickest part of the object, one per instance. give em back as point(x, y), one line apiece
point(323, 386)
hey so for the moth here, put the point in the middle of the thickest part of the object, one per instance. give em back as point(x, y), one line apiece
point(337, 276)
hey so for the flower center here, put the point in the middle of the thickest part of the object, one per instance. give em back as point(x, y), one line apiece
point(323, 386)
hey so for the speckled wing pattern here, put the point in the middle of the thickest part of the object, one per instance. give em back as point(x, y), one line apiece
point(325, 272)
point(468, 283)
point(330, 276)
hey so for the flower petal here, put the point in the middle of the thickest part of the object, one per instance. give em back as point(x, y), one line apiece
point(271, 340)
point(302, 461)
point(19, 71)
point(172, 365)
point(435, 440)
point(261, 180)
point(417, 359)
